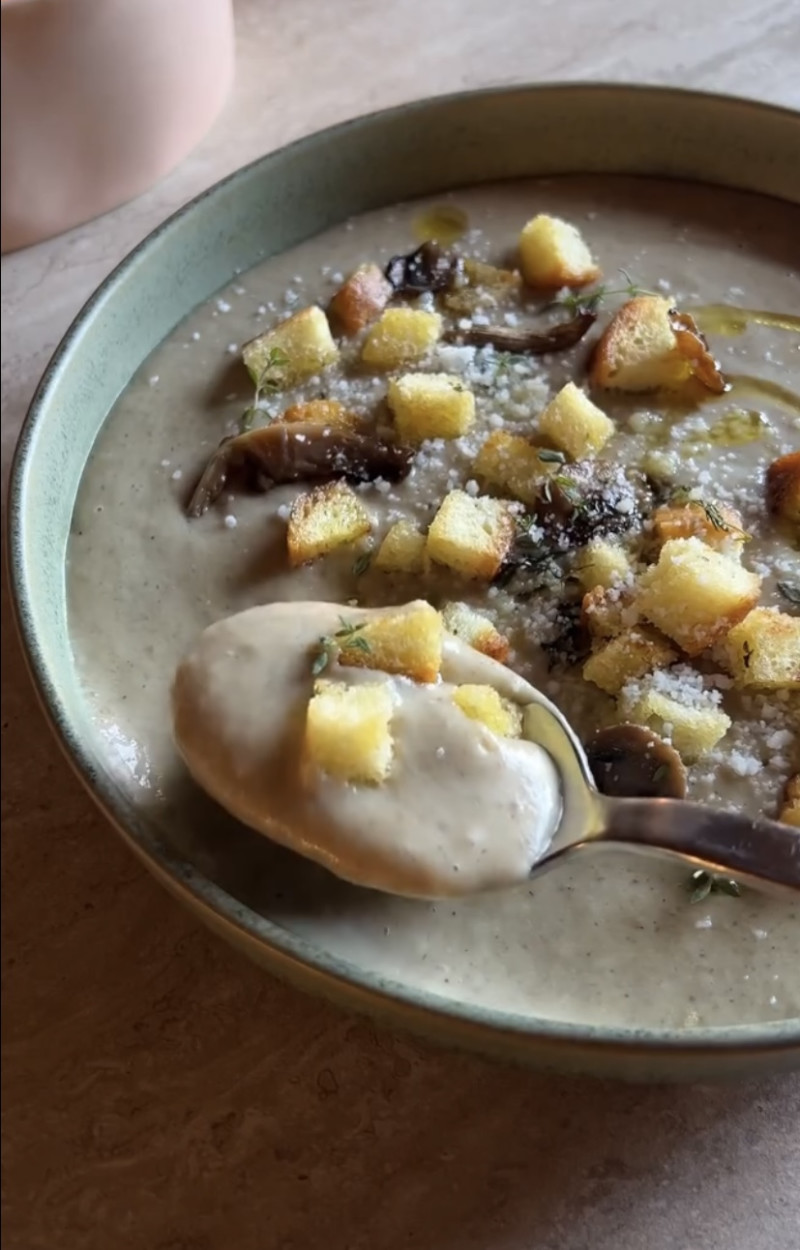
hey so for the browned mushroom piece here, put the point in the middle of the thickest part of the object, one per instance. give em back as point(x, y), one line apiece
point(278, 453)
point(692, 347)
point(427, 268)
point(633, 762)
point(529, 342)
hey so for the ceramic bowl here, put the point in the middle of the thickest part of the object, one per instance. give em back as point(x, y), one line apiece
point(101, 99)
point(420, 149)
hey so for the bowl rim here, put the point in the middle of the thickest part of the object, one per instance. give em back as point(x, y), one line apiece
point(282, 952)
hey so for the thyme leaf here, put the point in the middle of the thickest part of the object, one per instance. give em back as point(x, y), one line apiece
point(702, 883)
point(269, 380)
point(363, 562)
point(330, 645)
point(549, 456)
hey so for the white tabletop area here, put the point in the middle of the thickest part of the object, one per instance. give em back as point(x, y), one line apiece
point(160, 1093)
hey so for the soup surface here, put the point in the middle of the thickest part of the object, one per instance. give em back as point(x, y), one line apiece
point(610, 937)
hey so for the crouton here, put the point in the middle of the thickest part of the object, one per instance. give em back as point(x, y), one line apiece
point(512, 465)
point(789, 813)
point(407, 642)
point(293, 350)
point(430, 405)
point(575, 424)
point(484, 704)
point(694, 730)
point(478, 273)
point(552, 253)
point(321, 412)
point(401, 336)
point(638, 350)
point(471, 535)
point(783, 487)
point(603, 563)
point(717, 525)
point(348, 730)
point(606, 612)
point(361, 298)
point(475, 629)
point(322, 519)
point(402, 550)
point(764, 650)
point(629, 655)
point(695, 595)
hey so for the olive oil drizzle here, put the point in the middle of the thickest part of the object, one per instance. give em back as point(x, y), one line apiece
point(730, 321)
point(744, 384)
point(441, 223)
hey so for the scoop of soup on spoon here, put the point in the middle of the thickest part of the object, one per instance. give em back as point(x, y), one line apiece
point(424, 768)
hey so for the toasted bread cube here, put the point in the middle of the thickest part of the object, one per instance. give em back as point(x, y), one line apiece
point(764, 650)
point(717, 525)
point(639, 350)
point(400, 337)
point(630, 654)
point(484, 704)
point(475, 629)
point(348, 730)
point(361, 298)
point(402, 550)
point(783, 486)
point(695, 595)
point(575, 424)
point(511, 464)
point(603, 563)
point(478, 273)
point(694, 730)
point(321, 412)
point(790, 811)
point(471, 535)
point(323, 519)
point(607, 611)
point(296, 349)
point(552, 253)
point(407, 642)
point(430, 405)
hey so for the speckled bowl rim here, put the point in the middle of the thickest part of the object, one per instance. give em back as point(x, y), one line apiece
point(769, 1045)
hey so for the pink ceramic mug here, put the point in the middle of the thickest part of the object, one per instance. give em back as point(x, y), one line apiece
point(100, 99)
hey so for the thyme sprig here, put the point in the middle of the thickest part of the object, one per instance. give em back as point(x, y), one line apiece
point(269, 380)
point(590, 301)
point(330, 645)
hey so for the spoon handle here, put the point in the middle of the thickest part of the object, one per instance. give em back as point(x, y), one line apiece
point(761, 850)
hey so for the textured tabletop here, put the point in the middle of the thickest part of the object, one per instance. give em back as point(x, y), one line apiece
point(159, 1092)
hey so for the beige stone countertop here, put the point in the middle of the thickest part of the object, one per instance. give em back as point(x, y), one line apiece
point(159, 1092)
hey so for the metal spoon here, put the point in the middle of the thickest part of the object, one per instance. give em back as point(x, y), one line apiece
point(758, 852)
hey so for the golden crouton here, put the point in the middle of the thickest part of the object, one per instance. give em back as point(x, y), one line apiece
point(295, 349)
point(607, 611)
point(783, 486)
point(475, 629)
point(361, 298)
point(693, 730)
point(321, 412)
point(718, 525)
point(348, 730)
point(484, 704)
point(471, 535)
point(407, 642)
point(512, 465)
point(552, 254)
point(430, 405)
point(649, 346)
point(695, 595)
point(478, 273)
point(764, 650)
point(790, 810)
point(630, 654)
point(323, 519)
point(400, 337)
point(402, 550)
point(603, 563)
point(575, 424)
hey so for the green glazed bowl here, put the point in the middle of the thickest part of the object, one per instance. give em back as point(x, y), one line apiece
point(419, 149)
